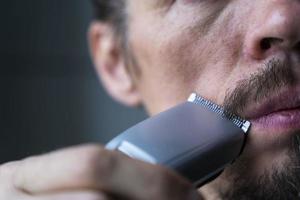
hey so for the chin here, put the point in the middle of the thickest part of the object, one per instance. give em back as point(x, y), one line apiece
point(270, 172)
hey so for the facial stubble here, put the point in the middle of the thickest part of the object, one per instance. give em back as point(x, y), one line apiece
point(276, 182)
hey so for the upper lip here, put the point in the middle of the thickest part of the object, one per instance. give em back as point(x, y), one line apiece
point(287, 99)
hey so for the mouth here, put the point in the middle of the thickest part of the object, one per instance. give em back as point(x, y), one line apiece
point(280, 112)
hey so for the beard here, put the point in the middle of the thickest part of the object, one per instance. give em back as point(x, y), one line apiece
point(276, 182)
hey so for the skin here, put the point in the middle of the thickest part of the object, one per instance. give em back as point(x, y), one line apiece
point(206, 46)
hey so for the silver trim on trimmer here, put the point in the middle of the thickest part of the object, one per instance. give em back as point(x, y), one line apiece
point(238, 121)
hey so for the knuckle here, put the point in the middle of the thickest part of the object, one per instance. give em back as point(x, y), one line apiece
point(166, 184)
point(160, 183)
point(163, 178)
point(95, 164)
point(89, 155)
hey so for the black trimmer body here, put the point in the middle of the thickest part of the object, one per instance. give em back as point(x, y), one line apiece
point(195, 138)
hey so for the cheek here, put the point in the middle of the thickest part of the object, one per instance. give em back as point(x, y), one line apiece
point(205, 64)
point(165, 73)
point(180, 60)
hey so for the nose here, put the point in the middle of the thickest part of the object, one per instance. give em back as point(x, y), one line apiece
point(276, 28)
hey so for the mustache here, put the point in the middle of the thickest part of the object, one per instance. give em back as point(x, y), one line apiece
point(273, 76)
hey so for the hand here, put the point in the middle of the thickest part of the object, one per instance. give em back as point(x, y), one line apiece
point(90, 173)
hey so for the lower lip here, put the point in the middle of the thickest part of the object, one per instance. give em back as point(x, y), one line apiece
point(279, 121)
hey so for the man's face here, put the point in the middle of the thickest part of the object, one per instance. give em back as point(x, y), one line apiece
point(241, 54)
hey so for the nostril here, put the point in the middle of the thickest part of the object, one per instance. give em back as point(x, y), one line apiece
point(298, 47)
point(267, 43)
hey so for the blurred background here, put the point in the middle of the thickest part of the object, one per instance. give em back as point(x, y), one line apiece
point(50, 95)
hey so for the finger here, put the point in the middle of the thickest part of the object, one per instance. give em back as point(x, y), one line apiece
point(67, 169)
point(71, 196)
point(93, 167)
point(7, 191)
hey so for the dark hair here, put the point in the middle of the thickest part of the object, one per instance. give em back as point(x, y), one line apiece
point(111, 11)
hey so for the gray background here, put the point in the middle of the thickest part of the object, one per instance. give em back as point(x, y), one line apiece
point(50, 95)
